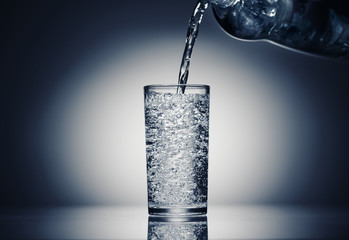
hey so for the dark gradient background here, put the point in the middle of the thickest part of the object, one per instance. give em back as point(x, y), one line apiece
point(72, 124)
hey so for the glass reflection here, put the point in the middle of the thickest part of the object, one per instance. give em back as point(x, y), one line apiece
point(168, 228)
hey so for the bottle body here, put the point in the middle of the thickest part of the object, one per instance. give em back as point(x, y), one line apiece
point(318, 27)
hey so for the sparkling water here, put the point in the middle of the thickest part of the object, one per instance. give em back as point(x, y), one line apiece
point(177, 149)
point(192, 33)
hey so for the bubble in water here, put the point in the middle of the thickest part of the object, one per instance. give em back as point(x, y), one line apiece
point(177, 149)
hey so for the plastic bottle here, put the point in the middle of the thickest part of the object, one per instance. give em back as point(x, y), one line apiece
point(318, 27)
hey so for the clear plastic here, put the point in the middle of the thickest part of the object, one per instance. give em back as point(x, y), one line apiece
point(318, 27)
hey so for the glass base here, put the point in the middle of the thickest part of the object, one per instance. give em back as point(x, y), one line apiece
point(177, 211)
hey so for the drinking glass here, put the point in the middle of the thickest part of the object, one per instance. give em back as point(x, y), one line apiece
point(177, 134)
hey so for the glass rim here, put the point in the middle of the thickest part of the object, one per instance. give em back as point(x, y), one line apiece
point(192, 86)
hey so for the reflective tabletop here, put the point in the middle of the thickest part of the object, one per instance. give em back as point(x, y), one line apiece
point(133, 222)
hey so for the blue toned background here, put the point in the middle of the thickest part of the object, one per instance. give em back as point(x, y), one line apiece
point(72, 124)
